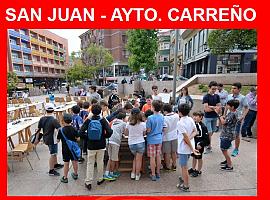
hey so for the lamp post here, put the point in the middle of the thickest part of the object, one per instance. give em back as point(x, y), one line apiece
point(175, 64)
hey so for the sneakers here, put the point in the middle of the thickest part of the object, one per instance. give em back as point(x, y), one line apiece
point(223, 163)
point(58, 166)
point(100, 181)
point(64, 180)
point(250, 136)
point(208, 150)
point(157, 176)
point(190, 171)
point(173, 168)
point(108, 178)
point(196, 173)
point(153, 178)
point(80, 160)
point(226, 168)
point(117, 174)
point(89, 187)
point(74, 176)
point(165, 168)
point(181, 181)
point(132, 176)
point(235, 152)
point(52, 172)
point(183, 188)
point(137, 177)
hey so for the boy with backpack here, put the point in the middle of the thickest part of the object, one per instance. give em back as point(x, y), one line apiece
point(68, 132)
point(77, 123)
point(98, 130)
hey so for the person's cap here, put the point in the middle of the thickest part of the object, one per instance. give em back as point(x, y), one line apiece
point(135, 111)
point(67, 118)
point(49, 107)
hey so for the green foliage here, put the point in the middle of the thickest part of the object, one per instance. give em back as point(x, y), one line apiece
point(142, 45)
point(222, 41)
point(203, 88)
point(12, 80)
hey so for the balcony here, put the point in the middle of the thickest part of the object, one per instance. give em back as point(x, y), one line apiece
point(36, 52)
point(55, 48)
point(27, 62)
point(42, 43)
point(17, 60)
point(15, 47)
point(14, 33)
point(19, 73)
point(34, 41)
point(25, 37)
point(61, 50)
point(51, 56)
point(35, 62)
point(28, 73)
point(49, 46)
point(56, 57)
point(62, 59)
point(43, 54)
point(26, 50)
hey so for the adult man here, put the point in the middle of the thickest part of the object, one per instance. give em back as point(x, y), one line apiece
point(241, 113)
point(155, 93)
point(49, 125)
point(251, 114)
point(211, 102)
point(113, 98)
point(93, 93)
point(223, 95)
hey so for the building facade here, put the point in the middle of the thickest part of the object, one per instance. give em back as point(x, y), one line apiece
point(163, 56)
point(38, 57)
point(179, 69)
point(197, 58)
point(115, 41)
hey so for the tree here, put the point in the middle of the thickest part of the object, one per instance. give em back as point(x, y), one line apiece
point(224, 41)
point(96, 58)
point(142, 45)
point(12, 81)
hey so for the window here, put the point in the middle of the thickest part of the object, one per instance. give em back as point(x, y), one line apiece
point(17, 68)
point(25, 57)
point(165, 70)
point(164, 58)
point(23, 32)
point(27, 68)
point(24, 45)
point(12, 41)
point(164, 45)
point(15, 55)
point(189, 48)
point(186, 50)
point(201, 41)
point(195, 44)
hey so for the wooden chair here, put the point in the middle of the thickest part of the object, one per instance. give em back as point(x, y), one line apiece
point(57, 99)
point(27, 100)
point(14, 101)
point(75, 99)
point(16, 115)
point(33, 112)
point(21, 101)
point(68, 99)
point(62, 100)
point(47, 99)
point(83, 99)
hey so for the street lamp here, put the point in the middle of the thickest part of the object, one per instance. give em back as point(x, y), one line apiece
point(175, 64)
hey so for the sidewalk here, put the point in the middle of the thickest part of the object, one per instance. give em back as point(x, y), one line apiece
point(242, 181)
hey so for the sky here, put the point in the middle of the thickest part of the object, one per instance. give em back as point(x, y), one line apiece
point(72, 35)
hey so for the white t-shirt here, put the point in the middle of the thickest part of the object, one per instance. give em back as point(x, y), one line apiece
point(185, 125)
point(135, 133)
point(170, 122)
point(156, 97)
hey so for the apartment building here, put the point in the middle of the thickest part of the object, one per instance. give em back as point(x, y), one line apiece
point(115, 41)
point(37, 56)
point(197, 58)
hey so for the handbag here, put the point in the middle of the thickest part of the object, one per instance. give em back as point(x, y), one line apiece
point(33, 138)
point(73, 146)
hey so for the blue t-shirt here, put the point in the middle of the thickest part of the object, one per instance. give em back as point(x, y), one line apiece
point(212, 100)
point(155, 123)
point(77, 122)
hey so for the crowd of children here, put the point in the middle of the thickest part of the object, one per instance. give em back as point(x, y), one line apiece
point(154, 128)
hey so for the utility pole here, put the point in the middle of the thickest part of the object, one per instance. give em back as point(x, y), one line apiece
point(175, 64)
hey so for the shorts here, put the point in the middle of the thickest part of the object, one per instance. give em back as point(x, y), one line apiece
point(53, 148)
point(169, 146)
point(238, 128)
point(211, 124)
point(198, 156)
point(153, 150)
point(137, 148)
point(183, 159)
point(225, 144)
point(113, 151)
point(67, 156)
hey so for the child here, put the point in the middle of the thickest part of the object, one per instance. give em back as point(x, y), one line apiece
point(227, 134)
point(118, 127)
point(84, 112)
point(71, 134)
point(135, 130)
point(154, 127)
point(148, 105)
point(104, 108)
point(201, 141)
point(77, 123)
point(186, 144)
point(96, 148)
point(169, 140)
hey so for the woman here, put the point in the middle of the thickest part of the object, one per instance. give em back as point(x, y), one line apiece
point(184, 98)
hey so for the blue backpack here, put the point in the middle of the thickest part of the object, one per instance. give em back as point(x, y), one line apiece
point(94, 129)
point(73, 146)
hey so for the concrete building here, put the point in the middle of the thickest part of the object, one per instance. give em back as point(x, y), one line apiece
point(37, 56)
point(179, 70)
point(197, 58)
point(115, 41)
point(163, 56)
